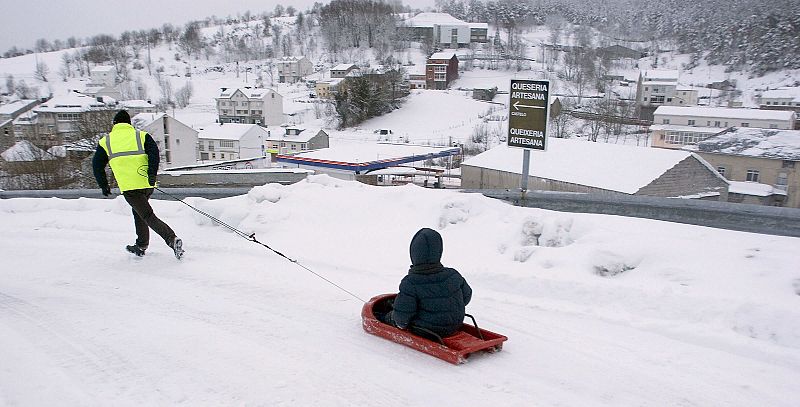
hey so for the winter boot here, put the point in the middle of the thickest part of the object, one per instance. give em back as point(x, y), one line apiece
point(136, 249)
point(177, 247)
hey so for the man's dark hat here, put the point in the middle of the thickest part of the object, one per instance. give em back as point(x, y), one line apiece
point(122, 117)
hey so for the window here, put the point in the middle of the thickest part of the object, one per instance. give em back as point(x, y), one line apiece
point(227, 144)
point(204, 156)
point(222, 155)
point(657, 99)
point(294, 146)
point(787, 164)
point(717, 123)
point(166, 129)
point(769, 103)
point(645, 98)
point(691, 122)
point(782, 181)
point(168, 156)
point(745, 124)
point(752, 175)
point(669, 99)
point(210, 145)
point(655, 89)
point(166, 141)
point(440, 76)
point(645, 88)
point(665, 121)
point(440, 68)
point(303, 146)
point(773, 126)
point(721, 170)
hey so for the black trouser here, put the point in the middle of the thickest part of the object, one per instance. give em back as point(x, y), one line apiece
point(144, 218)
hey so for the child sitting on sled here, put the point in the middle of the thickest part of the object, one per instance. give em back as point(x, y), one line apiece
point(432, 297)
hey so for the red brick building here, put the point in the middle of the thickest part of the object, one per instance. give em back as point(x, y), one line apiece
point(441, 69)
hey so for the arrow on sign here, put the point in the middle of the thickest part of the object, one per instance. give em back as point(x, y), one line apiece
point(517, 106)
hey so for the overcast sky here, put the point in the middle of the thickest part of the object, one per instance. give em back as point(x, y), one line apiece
point(25, 21)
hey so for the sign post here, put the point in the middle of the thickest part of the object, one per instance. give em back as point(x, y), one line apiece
point(527, 120)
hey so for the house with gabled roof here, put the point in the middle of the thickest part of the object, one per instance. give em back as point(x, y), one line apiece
point(295, 139)
point(247, 105)
point(231, 141)
point(293, 68)
point(177, 142)
point(598, 168)
point(763, 165)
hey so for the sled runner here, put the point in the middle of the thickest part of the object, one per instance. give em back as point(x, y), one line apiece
point(455, 348)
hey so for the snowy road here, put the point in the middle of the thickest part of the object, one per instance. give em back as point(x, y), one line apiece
point(84, 323)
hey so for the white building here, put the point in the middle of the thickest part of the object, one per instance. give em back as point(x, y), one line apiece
point(292, 69)
point(659, 87)
point(108, 94)
point(445, 30)
point(231, 141)
point(598, 168)
point(103, 75)
point(341, 70)
point(250, 106)
point(136, 106)
point(780, 98)
point(177, 142)
point(675, 127)
point(296, 139)
point(57, 121)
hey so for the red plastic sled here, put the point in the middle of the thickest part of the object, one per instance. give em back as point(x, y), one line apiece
point(456, 348)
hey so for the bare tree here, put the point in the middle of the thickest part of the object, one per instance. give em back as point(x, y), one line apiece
point(41, 71)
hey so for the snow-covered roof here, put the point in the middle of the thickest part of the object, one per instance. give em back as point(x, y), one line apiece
point(136, 103)
point(142, 120)
point(479, 25)
point(442, 55)
point(432, 19)
point(251, 93)
point(753, 188)
point(660, 74)
point(724, 112)
point(303, 136)
point(332, 81)
point(397, 171)
point(694, 129)
point(15, 106)
point(343, 67)
point(24, 150)
point(753, 142)
point(613, 167)
point(369, 152)
point(72, 102)
point(103, 68)
point(290, 59)
point(229, 131)
point(660, 83)
point(782, 93)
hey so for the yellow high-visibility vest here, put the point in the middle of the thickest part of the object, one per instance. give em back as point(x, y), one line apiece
point(126, 156)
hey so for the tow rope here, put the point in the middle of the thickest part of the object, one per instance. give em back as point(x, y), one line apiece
point(252, 238)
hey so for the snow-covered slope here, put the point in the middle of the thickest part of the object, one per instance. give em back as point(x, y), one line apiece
point(599, 310)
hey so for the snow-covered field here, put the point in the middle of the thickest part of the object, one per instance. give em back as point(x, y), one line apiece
point(599, 310)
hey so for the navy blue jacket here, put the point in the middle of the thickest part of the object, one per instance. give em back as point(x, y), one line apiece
point(431, 296)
